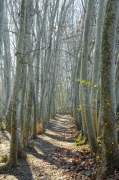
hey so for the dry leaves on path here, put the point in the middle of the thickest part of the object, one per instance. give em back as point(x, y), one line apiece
point(55, 156)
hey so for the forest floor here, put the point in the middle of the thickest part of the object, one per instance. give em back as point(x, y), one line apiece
point(54, 156)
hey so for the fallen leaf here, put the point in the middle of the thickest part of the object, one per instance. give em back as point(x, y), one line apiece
point(87, 162)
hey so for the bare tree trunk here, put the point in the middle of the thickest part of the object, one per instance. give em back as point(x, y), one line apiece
point(109, 136)
point(84, 78)
point(14, 102)
point(1, 22)
point(97, 61)
point(29, 103)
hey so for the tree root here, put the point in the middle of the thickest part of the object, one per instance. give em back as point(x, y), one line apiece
point(7, 165)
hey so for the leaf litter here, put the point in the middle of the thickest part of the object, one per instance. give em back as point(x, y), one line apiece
point(55, 157)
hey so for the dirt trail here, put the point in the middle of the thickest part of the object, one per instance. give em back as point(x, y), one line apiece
point(54, 156)
point(41, 162)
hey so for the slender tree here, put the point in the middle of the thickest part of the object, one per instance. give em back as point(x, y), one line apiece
point(15, 146)
point(85, 79)
point(109, 136)
point(1, 22)
point(97, 61)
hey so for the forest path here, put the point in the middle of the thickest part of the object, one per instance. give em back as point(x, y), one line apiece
point(51, 149)
point(54, 156)
point(45, 161)
point(57, 135)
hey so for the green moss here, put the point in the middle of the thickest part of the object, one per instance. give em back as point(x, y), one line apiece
point(2, 126)
point(99, 140)
point(80, 140)
point(57, 114)
point(3, 159)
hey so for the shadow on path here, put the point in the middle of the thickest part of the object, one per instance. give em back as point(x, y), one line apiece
point(42, 161)
point(57, 136)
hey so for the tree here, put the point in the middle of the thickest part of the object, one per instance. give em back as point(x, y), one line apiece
point(97, 62)
point(15, 147)
point(85, 79)
point(1, 22)
point(109, 135)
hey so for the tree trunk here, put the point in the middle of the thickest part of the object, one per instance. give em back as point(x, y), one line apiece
point(1, 22)
point(84, 79)
point(14, 102)
point(109, 136)
point(97, 61)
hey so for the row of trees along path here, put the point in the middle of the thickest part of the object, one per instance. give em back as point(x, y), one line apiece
point(60, 56)
point(54, 156)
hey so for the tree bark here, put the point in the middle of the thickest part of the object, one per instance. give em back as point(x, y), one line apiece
point(85, 79)
point(109, 136)
point(97, 61)
point(1, 22)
